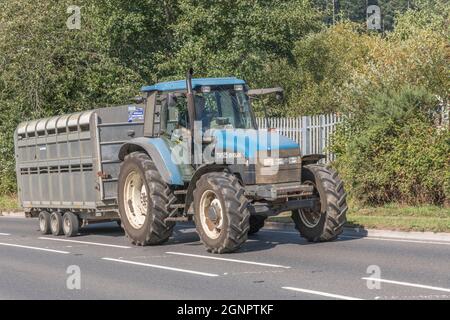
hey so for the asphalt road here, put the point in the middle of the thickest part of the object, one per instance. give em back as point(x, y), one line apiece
point(274, 264)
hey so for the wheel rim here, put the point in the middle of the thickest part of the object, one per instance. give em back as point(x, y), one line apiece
point(67, 225)
point(211, 214)
point(54, 223)
point(42, 224)
point(310, 217)
point(136, 200)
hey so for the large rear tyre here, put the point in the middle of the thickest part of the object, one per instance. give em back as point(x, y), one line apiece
point(144, 201)
point(56, 223)
point(221, 212)
point(71, 224)
point(44, 222)
point(327, 220)
point(256, 223)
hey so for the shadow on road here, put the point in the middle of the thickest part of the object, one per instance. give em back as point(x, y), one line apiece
point(110, 229)
point(186, 234)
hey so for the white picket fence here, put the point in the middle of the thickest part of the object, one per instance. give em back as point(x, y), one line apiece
point(311, 132)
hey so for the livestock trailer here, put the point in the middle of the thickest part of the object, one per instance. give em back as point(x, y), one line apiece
point(70, 163)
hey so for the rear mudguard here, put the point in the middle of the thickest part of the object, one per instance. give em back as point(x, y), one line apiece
point(160, 153)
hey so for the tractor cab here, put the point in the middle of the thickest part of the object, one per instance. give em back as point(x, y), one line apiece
point(218, 103)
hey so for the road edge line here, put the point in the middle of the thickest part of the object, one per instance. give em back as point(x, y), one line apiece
point(407, 284)
point(321, 293)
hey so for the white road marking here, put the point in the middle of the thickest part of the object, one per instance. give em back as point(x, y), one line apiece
point(230, 260)
point(33, 248)
point(4, 234)
point(396, 240)
point(407, 284)
point(163, 267)
point(320, 293)
point(86, 242)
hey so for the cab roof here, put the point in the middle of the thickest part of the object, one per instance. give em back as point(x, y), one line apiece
point(181, 84)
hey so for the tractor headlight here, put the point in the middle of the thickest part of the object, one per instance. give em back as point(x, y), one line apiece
point(294, 160)
point(270, 162)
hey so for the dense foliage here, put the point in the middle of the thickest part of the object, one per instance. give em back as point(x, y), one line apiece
point(394, 152)
point(47, 69)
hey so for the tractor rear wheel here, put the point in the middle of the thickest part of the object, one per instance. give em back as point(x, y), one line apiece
point(144, 201)
point(221, 212)
point(256, 223)
point(326, 221)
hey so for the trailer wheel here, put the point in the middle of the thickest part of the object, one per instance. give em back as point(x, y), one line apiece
point(256, 223)
point(44, 222)
point(144, 201)
point(56, 224)
point(327, 220)
point(221, 212)
point(71, 224)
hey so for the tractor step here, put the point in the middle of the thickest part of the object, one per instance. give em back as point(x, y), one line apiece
point(177, 192)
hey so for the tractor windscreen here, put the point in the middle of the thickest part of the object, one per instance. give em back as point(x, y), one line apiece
point(223, 108)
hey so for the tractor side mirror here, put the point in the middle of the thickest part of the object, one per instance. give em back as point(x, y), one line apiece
point(279, 93)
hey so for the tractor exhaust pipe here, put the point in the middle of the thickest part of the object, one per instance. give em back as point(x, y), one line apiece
point(190, 99)
point(189, 74)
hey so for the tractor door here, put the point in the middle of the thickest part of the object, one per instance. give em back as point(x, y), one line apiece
point(152, 118)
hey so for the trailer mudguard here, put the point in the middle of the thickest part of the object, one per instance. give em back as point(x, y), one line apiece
point(160, 153)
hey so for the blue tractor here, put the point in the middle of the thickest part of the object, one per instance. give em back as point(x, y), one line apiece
point(202, 158)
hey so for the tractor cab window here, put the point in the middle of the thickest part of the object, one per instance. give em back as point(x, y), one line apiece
point(174, 113)
point(223, 108)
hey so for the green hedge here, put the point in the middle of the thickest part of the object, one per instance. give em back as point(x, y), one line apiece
point(393, 152)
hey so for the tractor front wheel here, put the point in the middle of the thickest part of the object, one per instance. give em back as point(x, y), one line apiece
point(326, 221)
point(221, 212)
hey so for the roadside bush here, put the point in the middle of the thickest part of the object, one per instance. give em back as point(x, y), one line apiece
point(392, 152)
point(339, 68)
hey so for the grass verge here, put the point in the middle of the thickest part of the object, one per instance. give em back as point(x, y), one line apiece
point(394, 217)
point(8, 202)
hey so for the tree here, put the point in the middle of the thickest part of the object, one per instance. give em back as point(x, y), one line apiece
point(220, 38)
point(48, 69)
